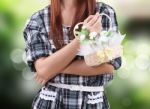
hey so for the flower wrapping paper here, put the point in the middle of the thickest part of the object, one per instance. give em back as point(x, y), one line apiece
point(103, 49)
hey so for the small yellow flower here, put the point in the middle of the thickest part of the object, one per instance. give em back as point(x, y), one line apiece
point(101, 55)
point(108, 53)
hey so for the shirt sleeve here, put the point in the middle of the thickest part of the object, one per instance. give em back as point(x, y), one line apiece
point(35, 41)
point(112, 14)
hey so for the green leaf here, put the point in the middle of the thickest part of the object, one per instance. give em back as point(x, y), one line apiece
point(109, 33)
point(85, 32)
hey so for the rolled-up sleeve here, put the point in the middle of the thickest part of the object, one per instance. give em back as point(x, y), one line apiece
point(35, 42)
point(112, 14)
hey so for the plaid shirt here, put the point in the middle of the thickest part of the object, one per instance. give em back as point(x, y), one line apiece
point(38, 45)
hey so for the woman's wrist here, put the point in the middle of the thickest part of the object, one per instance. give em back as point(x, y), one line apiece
point(77, 40)
point(76, 43)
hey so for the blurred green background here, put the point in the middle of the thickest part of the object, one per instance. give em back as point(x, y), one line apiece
point(130, 88)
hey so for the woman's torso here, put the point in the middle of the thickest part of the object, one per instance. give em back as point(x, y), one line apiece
point(67, 78)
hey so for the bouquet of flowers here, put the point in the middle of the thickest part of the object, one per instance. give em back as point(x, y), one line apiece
point(98, 49)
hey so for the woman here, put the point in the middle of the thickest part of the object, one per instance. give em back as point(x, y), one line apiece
point(51, 52)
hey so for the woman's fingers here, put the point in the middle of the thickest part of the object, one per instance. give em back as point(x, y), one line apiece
point(44, 82)
point(36, 76)
point(93, 23)
point(93, 20)
point(39, 79)
point(88, 19)
point(98, 24)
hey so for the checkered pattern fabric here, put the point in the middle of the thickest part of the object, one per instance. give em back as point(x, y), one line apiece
point(38, 45)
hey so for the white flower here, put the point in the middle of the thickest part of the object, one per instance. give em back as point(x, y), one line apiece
point(82, 37)
point(83, 27)
point(104, 38)
point(103, 33)
point(93, 35)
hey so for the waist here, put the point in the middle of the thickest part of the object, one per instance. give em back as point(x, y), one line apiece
point(98, 80)
point(78, 87)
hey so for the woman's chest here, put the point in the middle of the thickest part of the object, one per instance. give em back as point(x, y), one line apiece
point(66, 40)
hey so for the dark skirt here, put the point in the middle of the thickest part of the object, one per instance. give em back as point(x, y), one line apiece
point(50, 97)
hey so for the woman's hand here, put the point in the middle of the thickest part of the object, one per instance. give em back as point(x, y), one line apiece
point(39, 79)
point(93, 23)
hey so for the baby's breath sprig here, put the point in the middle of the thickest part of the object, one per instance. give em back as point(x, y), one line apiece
point(84, 35)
